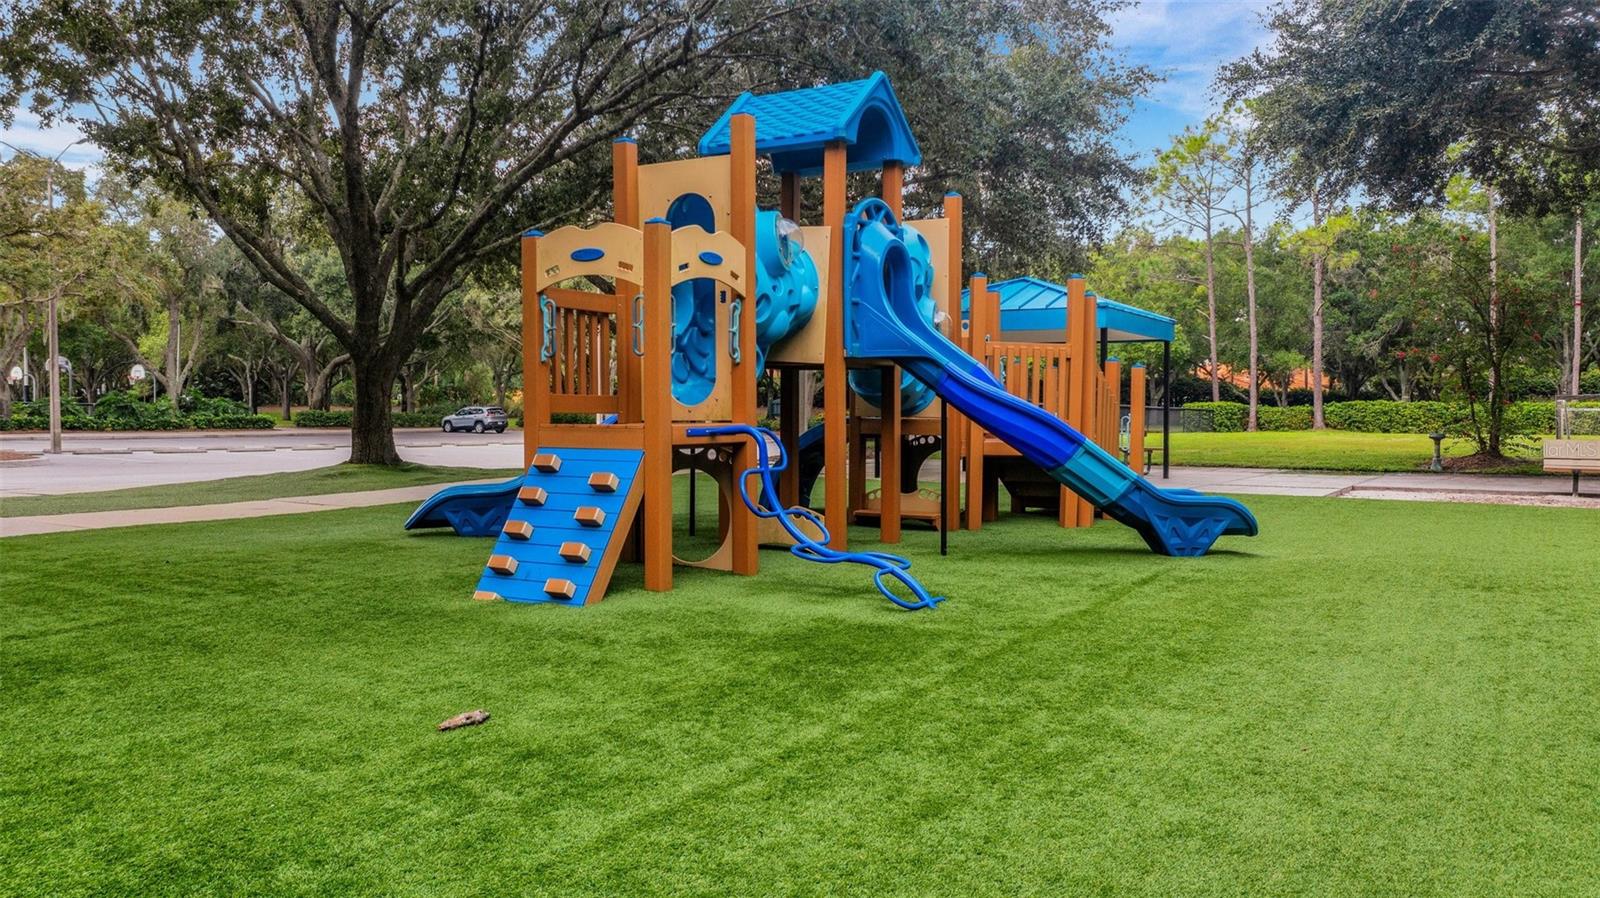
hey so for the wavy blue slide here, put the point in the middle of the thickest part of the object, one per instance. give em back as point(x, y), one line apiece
point(882, 320)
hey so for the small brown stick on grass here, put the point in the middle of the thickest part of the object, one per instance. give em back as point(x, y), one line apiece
point(465, 719)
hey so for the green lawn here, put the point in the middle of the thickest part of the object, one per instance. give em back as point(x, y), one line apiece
point(1349, 704)
point(316, 482)
point(1325, 450)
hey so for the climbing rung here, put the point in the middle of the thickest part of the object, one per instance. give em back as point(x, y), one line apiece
point(518, 529)
point(575, 552)
point(503, 564)
point(603, 482)
point(484, 595)
point(548, 462)
point(532, 495)
point(589, 516)
point(557, 588)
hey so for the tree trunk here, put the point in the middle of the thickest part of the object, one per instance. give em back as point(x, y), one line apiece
point(1250, 301)
point(1317, 265)
point(174, 334)
point(372, 424)
point(1577, 305)
point(286, 391)
point(1494, 306)
point(1211, 312)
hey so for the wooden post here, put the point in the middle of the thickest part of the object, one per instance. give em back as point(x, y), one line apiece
point(656, 368)
point(1080, 380)
point(789, 426)
point(834, 385)
point(1136, 400)
point(1087, 390)
point(892, 188)
point(889, 458)
point(744, 537)
point(1113, 404)
point(955, 426)
point(625, 198)
point(978, 334)
point(535, 371)
point(789, 196)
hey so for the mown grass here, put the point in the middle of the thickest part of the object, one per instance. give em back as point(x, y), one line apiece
point(1368, 699)
point(344, 478)
point(1322, 450)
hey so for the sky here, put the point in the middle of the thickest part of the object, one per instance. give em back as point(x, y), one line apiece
point(1185, 41)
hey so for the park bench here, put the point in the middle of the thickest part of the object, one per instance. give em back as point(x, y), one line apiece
point(1566, 452)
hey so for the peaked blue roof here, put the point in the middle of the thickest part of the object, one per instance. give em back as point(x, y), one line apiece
point(793, 126)
point(1032, 304)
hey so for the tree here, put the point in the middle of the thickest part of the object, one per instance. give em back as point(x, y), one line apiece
point(1396, 96)
point(1244, 164)
point(1191, 187)
point(421, 137)
point(1318, 245)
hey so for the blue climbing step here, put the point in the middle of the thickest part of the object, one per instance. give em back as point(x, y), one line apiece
point(565, 526)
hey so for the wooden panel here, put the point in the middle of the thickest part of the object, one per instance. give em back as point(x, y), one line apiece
point(807, 347)
point(620, 247)
point(662, 182)
point(585, 405)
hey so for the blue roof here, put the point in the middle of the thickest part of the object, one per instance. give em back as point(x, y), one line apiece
point(794, 126)
point(1031, 304)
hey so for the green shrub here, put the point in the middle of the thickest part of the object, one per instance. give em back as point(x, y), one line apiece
point(1271, 417)
point(1226, 417)
point(417, 419)
point(313, 418)
point(1388, 416)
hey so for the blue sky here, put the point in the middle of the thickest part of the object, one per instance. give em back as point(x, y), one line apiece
point(1186, 41)
point(1183, 40)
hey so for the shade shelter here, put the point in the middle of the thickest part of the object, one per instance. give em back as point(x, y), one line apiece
point(1035, 310)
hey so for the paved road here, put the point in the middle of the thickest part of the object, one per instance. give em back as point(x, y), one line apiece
point(103, 461)
point(108, 461)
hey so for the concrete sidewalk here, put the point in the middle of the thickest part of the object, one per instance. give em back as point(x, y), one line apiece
point(186, 514)
point(1486, 488)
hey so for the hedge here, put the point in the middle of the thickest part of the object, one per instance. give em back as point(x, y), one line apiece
point(313, 418)
point(1376, 416)
point(179, 422)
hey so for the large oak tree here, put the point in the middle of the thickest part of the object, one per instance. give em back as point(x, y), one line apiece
point(421, 136)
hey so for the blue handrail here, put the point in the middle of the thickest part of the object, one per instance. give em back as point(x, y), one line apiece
point(804, 546)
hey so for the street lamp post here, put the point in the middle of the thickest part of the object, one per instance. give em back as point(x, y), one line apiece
point(52, 330)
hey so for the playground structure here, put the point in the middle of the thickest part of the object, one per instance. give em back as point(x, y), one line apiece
point(704, 292)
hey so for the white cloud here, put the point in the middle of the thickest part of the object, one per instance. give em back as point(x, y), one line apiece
point(62, 138)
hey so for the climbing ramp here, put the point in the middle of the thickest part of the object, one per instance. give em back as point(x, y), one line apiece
point(565, 527)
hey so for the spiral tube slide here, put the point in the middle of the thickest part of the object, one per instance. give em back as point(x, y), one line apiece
point(882, 321)
point(806, 547)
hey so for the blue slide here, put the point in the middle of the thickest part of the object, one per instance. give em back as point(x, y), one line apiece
point(883, 320)
point(472, 509)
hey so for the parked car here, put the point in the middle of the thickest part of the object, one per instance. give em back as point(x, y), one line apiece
point(477, 418)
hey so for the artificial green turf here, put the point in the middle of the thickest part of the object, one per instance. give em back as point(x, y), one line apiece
point(1321, 450)
point(316, 482)
point(1368, 699)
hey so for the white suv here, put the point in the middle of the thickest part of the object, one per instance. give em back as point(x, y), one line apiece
point(476, 418)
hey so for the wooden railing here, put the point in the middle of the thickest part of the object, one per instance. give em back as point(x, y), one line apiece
point(585, 341)
point(1032, 372)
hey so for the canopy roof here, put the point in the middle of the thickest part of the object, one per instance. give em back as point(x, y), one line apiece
point(793, 127)
point(1035, 310)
